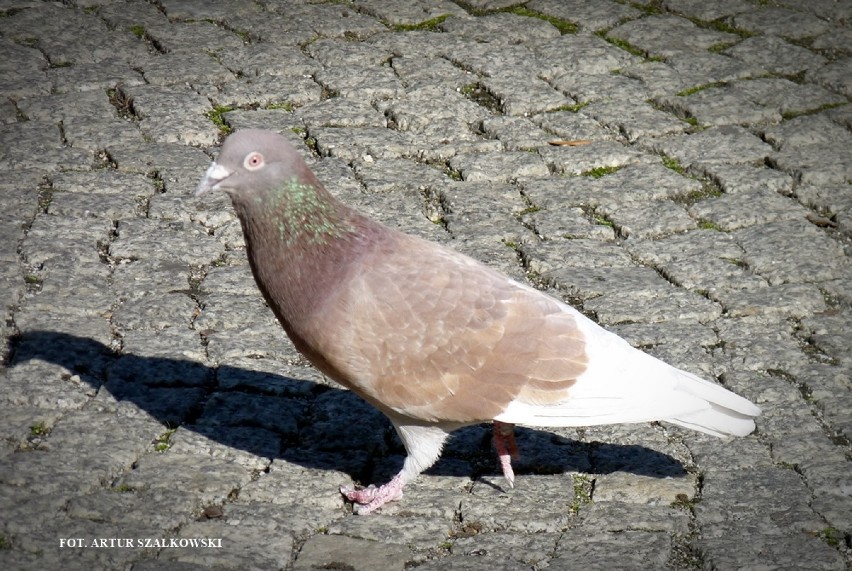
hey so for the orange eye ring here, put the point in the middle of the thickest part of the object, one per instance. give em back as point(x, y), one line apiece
point(253, 161)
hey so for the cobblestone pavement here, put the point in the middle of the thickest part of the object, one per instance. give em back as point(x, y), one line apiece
point(148, 394)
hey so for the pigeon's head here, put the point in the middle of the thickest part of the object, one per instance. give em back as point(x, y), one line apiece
point(252, 161)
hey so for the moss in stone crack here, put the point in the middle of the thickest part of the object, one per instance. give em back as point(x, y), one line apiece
point(599, 172)
point(684, 502)
point(427, 26)
point(215, 115)
point(5, 543)
point(45, 195)
point(564, 26)
point(311, 143)
point(601, 220)
point(138, 31)
point(454, 174)
point(583, 484)
point(793, 114)
point(39, 429)
point(683, 553)
point(163, 442)
point(735, 261)
point(702, 87)
point(572, 108)
point(627, 46)
point(123, 489)
point(673, 164)
point(707, 190)
point(283, 105)
point(481, 96)
point(529, 210)
point(720, 47)
point(709, 225)
point(722, 26)
point(122, 102)
point(831, 535)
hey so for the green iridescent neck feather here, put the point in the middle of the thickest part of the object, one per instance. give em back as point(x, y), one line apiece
point(305, 212)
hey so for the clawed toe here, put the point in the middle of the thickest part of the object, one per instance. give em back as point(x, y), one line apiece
point(371, 498)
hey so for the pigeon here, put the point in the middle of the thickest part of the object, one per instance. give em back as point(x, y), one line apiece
point(433, 338)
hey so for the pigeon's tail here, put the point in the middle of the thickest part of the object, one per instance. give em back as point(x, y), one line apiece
point(724, 414)
point(624, 385)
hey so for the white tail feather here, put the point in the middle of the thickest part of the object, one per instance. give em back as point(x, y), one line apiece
point(624, 385)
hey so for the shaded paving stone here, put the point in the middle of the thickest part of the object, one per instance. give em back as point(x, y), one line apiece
point(707, 10)
point(516, 133)
point(724, 144)
point(211, 480)
point(504, 27)
point(586, 88)
point(502, 548)
point(341, 112)
point(402, 14)
point(485, 166)
point(332, 52)
point(243, 549)
point(592, 56)
point(790, 300)
point(357, 554)
point(775, 55)
point(667, 36)
point(721, 106)
point(56, 108)
point(649, 220)
point(420, 106)
point(572, 126)
point(661, 79)
point(361, 82)
point(743, 178)
point(524, 95)
point(589, 16)
point(780, 21)
point(834, 76)
point(258, 59)
point(598, 154)
point(787, 97)
point(774, 248)
point(268, 91)
point(608, 550)
point(171, 116)
point(635, 122)
point(806, 131)
point(714, 68)
point(416, 70)
point(734, 211)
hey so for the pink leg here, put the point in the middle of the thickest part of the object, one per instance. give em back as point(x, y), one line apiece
point(507, 448)
point(372, 498)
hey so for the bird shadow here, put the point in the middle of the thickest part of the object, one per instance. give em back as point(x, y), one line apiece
point(279, 417)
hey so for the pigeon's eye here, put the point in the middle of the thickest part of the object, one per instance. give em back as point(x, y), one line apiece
point(253, 161)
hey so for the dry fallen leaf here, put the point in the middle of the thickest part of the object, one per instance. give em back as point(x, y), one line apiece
point(577, 143)
point(821, 221)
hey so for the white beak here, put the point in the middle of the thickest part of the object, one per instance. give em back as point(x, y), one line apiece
point(215, 174)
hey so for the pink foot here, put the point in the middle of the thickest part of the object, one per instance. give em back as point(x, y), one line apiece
point(372, 498)
point(507, 448)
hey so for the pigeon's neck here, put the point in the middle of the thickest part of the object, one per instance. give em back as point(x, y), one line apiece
point(304, 214)
point(301, 244)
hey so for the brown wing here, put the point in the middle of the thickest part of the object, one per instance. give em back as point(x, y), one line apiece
point(434, 335)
